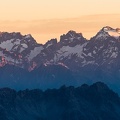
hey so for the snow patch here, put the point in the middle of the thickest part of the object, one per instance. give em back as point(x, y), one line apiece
point(102, 36)
point(89, 54)
point(35, 52)
point(67, 51)
point(49, 45)
point(7, 44)
point(94, 52)
point(114, 55)
point(24, 45)
point(62, 64)
point(112, 32)
point(87, 63)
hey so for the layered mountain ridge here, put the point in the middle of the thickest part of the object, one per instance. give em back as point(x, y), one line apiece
point(25, 52)
point(66, 103)
point(83, 61)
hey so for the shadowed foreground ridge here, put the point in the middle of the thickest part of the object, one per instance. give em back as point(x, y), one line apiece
point(95, 102)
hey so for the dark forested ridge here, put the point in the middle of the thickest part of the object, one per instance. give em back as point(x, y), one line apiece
point(94, 102)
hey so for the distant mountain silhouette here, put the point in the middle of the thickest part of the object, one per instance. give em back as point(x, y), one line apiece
point(95, 102)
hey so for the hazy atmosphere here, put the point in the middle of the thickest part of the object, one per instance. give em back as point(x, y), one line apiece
point(73, 77)
point(50, 18)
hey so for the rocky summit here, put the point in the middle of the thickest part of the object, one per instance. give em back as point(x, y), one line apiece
point(72, 60)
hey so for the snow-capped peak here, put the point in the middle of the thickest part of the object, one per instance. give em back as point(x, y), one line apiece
point(107, 28)
point(23, 50)
point(112, 32)
point(102, 34)
point(107, 32)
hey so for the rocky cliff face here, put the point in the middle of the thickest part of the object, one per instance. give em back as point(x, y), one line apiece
point(73, 60)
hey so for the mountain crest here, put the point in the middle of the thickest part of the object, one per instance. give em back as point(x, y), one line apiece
point(72, 38)
point(109, 32)
point(71, 35)
point(85, 60)
point(50, 43)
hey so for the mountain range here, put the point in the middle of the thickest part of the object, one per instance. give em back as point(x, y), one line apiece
point(94, 102)
point(73, 60)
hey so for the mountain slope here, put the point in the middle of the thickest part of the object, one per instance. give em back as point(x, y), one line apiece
point(50, 76)
point(95, 102)
point(71, 61)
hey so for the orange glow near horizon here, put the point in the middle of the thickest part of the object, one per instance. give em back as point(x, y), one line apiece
point(50, 18)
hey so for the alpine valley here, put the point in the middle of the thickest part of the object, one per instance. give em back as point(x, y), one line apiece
point(73, 60)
